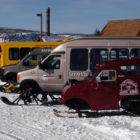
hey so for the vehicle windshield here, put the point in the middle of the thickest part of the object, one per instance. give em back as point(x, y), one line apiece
point(92, 72)
point(31, 60)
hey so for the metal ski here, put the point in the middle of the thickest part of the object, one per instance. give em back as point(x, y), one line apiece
point(7, 101)
point(72, 114)
point(64, 114)
point(89, 114)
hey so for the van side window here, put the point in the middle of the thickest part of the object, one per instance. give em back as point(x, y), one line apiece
point(79, 59)
point(13, 53)
point(53, 62)
point(130, 69)
point(119, 54)
point(135, 53)
point(23, 52)
point(108, 75)
point(0, 48)
point(97, 56)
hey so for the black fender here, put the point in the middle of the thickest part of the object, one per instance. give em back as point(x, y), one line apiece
point(31, 83)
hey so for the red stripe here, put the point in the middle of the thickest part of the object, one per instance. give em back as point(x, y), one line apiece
point(49, 76)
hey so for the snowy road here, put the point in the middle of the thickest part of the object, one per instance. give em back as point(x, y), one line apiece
point(39, 123)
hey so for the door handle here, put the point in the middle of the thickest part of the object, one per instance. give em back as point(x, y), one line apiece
point(60, 76)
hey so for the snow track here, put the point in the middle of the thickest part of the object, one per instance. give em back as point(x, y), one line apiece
point(6, 136)
point(40, 123)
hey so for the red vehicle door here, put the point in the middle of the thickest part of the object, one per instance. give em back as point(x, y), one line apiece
point(104, 91)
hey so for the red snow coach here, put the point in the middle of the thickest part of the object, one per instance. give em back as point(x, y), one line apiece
point(114, 85)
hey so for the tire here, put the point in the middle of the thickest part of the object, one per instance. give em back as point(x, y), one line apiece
point(30, 94)
point(77, 104)
point(128, 105)
point(137, 108)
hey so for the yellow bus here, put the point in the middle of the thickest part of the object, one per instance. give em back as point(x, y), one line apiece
point(13, 52)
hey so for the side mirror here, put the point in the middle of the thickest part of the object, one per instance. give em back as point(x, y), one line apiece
point(98, 79)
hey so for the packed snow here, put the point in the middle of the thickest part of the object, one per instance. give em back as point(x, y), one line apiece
point(38, 122)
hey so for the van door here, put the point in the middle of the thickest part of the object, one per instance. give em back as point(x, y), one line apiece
point(51, 75)
point(105, 95)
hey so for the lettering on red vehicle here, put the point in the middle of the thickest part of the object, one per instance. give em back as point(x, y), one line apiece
point(129, 87)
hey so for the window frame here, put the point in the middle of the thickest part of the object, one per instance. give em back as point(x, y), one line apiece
point(117, 50)
point(21, 52)
point(11, 49)
point(127, 72)
point(133, 51)
point(99, 75)
point(47, 60)
point(27, 58)
point(87, 61)
point(92, 65)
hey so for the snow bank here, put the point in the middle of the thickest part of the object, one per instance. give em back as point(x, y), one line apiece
point(22, 37)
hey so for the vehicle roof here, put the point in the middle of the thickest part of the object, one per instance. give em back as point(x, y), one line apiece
point(31, 44)
point(100, 42)
point(41, 51)
point(116, 63)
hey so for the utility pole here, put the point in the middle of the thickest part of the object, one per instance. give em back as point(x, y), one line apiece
point(40, 15)
point(48, 21)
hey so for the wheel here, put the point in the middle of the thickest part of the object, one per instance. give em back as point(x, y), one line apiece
point(30, 94)
point(128, 105)
point(137, 108)
point(77, 104)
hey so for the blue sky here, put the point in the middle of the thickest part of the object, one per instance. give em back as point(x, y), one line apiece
point(67, 16)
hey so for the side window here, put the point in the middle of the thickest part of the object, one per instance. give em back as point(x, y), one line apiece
point(53, 62)
point(135, 53)
point(130, 69)
point(119, 54)
point(97, 56)
point(79, 59)
point(23, 52)
point(108, 75)
point(30, 60)
point(13, 53)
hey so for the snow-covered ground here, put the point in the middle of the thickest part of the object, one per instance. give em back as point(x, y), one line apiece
point(39, 123)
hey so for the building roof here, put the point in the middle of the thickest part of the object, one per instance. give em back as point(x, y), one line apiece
point(122, 28)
